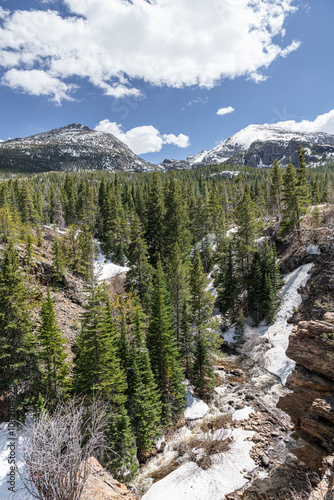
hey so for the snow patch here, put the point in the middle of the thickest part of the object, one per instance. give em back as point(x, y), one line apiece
point(313, 250)
point(5, 439)
point(196, 408)
point(242, 414)
point(106, 269)
point(224, 476)
point(267, 344)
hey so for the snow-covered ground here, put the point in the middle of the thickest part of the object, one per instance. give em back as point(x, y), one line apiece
point(267, 344)
point(191, 482)
point(6, 448)
point(106, 269)
point(196, 408)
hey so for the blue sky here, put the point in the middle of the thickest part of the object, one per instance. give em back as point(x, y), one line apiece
point(156, 72)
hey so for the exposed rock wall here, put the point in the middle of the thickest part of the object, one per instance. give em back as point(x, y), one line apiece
point(311, 404)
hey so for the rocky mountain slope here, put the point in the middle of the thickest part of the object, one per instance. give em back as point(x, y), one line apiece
point(74, 147)
point(260, 145)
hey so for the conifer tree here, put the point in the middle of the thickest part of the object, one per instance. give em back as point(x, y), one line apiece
point(55, 381)
point(121, 459)
point(140, 275)
point(255, 293)
point(18, 348)
point(227, 284)
point(97, 364)
point(163, 352)
point(155, 219)
point(202, 371)
point(276, 182)
point(248, 229)
point(147, 405)
point(201, 303)
point(178, 285)
point(176, 223)
point(58, 261)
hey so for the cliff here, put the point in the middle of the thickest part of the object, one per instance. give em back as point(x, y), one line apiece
point(311, 403)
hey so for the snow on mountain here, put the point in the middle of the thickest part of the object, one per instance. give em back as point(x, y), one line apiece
point(74, 147)
point(277, 141)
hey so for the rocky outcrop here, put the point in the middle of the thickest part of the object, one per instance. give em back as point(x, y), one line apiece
point(325, 489)
point(102, 486)
point(311, 404)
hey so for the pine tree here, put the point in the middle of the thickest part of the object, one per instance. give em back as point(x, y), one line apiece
point(140, 275)
point(56, 381)
point(147, 405)
point(18, 349)
point(163, 352)
point(58, 261)
point(276, 182)
point(121, 459)
point(97, 364)
point(178, 285)
point(227, 284)
point(201, 301)
point(248, 229)
point(176, 223)
point(155, 219)
point(202, 371)
point(255, 289)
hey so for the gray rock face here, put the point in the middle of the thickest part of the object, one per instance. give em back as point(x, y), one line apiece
point(71, 148)
point(260, 145)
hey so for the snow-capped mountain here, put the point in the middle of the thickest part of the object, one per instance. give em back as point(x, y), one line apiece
point(260, 145)
point(74, 147)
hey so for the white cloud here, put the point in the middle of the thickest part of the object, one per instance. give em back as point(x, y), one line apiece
point(181, 140)
point(176, 43)
point(225, 111)
point(144, 139)
point(322, 123)
point(36, 82)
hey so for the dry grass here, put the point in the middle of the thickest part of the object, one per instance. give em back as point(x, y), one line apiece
point(201, 448)
point(215, 423)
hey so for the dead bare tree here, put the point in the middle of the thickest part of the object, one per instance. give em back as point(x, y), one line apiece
point(58, 448)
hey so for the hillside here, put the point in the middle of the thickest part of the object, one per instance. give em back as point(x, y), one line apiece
point(70, 148)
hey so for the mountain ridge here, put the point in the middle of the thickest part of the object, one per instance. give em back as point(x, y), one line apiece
point(77, 147)
point(72, 147)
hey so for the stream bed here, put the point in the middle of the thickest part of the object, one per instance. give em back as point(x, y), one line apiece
point(243, 438)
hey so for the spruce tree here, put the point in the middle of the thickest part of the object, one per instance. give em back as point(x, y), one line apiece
point(147, 405)
point(140, 276)
point(155, 220)
point(178, 285)
point(56, 380)
point(97, 364)
point(276, 182)
point(163, 352)
point(176, 223)
point(248, 229)
point(227, 284)
point(18, 347)
point(201, 302)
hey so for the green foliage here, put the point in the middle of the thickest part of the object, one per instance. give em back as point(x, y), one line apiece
point(163, 352)
point(18, 347)
point(55, 370)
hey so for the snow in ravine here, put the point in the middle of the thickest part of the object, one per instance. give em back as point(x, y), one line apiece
point(106, 269)
point(267, 344)
point(226, 474)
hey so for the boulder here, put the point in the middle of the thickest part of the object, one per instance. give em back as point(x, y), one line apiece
point(102, 486)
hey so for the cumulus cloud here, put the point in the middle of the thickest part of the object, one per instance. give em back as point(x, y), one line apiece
point(36, 82)
point(111, 42)
point(322, 123)
point(225, 111)
point(144, 139)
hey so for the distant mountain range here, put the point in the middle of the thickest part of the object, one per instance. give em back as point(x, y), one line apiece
point(260, 145)
point(77, 147)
